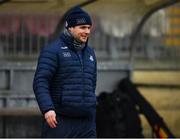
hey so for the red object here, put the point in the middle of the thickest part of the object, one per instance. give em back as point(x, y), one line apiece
point(42, 26)
point(9, 24)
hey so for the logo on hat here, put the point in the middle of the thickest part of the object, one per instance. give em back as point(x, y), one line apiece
point(81, 21)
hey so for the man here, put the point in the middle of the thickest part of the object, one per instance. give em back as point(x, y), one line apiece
point(65, 81)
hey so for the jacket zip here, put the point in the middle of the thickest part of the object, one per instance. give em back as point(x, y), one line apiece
point(82, 66)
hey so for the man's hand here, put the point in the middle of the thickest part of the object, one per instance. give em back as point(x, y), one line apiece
point(50, 117)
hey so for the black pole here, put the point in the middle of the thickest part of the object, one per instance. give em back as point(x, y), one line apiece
point(153, 118)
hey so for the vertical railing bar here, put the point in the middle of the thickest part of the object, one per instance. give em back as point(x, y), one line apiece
point(15, 41)
point(47, 19)
point(22, 36)
point(11, 35)
point(95, 44)
point(2, 47)
point(38, 37)
point(7, 40)
point(30, 38)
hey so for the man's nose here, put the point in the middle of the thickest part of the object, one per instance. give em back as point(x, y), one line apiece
point(87, 30)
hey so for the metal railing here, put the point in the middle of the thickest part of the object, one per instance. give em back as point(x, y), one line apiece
point(22, 36)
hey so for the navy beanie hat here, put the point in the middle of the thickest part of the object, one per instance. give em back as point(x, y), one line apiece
point(77, 16)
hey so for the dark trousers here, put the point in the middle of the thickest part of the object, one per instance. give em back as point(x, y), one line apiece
point(70, 128)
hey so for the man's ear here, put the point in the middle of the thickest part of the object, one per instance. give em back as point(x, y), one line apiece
point(70, 29)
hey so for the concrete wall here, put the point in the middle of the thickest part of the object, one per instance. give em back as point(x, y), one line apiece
point(20, 116)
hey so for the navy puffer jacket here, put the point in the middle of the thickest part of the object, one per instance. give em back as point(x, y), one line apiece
point(64, 81)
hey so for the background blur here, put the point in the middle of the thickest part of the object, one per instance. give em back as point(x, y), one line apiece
point(148, 53)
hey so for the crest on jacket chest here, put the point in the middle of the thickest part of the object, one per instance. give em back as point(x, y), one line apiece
point(91, 58)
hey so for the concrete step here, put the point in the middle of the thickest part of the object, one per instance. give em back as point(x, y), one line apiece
point(162, 98)
point(157, 77)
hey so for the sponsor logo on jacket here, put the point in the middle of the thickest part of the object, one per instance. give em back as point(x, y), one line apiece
point(66, 54)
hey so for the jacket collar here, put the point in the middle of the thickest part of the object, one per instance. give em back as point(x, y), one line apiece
point(71, 43)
